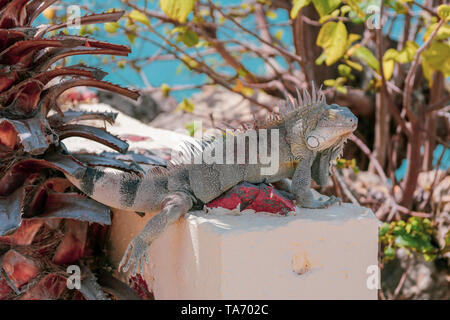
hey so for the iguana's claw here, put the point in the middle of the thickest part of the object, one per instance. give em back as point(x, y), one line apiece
point(136, 254)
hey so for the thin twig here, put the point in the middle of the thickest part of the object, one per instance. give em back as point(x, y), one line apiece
point(409, 81)
point(344, 186)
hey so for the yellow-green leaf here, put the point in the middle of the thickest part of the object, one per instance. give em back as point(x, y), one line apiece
point(354, 65)
point(191, 63)
point(271, 14)
point(442, 34)
point(131, 36)
point(297, 5)
point(186, 105)
point(346, 71)
point(390, 54)
point(341, 89)
point(139, 17)
point(367, 56)
point(324, 7)
point(279, 34)
point(111, 27)
point(437, 56)
point(443, 12)
point(353, 4)
point(239, 87)
point(389, 59)
point(352, 37)
point(333, 39)
point(177, 9)
point(388, 69)
point(406, 55)
point(345, 9)
point(165, 90)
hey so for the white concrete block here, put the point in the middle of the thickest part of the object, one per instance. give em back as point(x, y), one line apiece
point(316, 254)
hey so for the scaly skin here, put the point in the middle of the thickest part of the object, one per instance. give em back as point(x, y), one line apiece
point(309, 134)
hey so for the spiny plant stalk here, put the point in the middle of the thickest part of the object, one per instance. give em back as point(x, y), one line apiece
point(45, 224)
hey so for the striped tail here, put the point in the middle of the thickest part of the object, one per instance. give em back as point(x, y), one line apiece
point(120, 189)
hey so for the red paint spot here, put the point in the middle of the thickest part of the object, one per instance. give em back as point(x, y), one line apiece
point(140, 287)
point(261, 198)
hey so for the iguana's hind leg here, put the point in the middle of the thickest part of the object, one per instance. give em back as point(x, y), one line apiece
point(173, 207)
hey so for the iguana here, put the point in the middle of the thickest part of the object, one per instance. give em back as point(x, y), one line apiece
point(310, 135)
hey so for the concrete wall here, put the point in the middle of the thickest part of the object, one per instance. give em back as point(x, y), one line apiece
point(316, 254)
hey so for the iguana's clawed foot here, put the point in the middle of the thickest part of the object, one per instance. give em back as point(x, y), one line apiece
point(320, 203)
point(135, 255)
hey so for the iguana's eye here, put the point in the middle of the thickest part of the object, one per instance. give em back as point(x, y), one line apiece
point(312, 142)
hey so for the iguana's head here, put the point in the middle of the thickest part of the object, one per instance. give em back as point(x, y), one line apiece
point(312, 123)
point(333, 124)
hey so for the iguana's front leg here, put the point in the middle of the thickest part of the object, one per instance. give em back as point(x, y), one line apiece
point(301, 182)
point(173, 207)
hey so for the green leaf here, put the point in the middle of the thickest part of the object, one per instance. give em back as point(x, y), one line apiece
point(111, 27)
point(344, 70)
point(190, 38)
point(177, 9)
point(367, 56)
point(139, 17)
point(191, 128)
point(297, 5)
point(443, 12)
point(333, 39)
point(324, 7)
point(383, 229)
point(389, 252)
